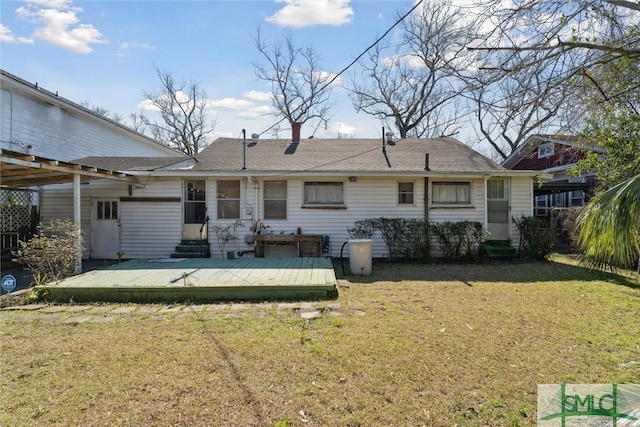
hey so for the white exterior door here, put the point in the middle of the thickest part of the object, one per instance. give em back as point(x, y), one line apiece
point(105, 229)
point(194, 226)
point(498, 210)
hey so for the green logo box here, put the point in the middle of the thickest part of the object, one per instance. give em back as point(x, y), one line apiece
point(588, 405)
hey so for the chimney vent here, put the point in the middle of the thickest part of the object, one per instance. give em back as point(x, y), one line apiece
point(295, 131)
point(389, 136)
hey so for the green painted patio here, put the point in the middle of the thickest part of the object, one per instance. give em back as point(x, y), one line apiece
point(202, 280)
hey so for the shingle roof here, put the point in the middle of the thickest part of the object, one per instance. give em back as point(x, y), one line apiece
point(343, 155)
point(129, 163)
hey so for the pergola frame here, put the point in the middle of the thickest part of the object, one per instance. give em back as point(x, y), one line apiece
point(20, 170)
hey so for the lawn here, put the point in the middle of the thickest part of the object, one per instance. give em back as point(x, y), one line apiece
point(434, 345)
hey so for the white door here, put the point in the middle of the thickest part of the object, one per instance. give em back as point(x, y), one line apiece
point(105, 229)
point(194, 225)
point(498, 209)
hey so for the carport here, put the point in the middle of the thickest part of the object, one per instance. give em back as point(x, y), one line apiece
point(22, 170)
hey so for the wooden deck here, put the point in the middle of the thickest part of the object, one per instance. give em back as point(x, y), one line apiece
point(210, 279)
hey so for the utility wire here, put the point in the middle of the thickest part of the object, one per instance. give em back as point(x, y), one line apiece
point(402, 18)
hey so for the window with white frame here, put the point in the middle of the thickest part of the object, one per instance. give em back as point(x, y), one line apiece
point(577, 198)
point(107, 209)
point(545, 150)
point(229, 199)
point(451, 193)
point(323, 193)
point(495, 189)
point(275, 200)
point(405, 193)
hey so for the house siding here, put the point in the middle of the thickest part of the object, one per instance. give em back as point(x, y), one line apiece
point(562, 155)
point(50, 128)
point(368, 197)
point(154, 228)
point(521, 203)
point(147, 229)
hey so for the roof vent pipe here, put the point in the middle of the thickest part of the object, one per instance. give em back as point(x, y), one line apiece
point(244, 149)
point(426, 162)
point(254, 138)
point(390, 140)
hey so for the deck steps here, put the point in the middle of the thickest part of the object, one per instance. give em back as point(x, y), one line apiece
point(192, 249)
point(498, 249)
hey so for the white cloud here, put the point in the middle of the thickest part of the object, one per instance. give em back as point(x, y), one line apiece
point(256, 112)
point(258, 96)
point(344, 130)
point(7, 36)
point(230, 104)
point(126, 47)
point(57, 23)
point(327, 76)
point(147, 105)
point(305, 13)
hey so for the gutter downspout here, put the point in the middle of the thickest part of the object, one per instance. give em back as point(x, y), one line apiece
point(426, 189)
point(486, 208)
point(426, 199)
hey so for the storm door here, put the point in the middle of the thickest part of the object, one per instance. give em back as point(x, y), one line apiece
point(194, 226)
point(498, 209)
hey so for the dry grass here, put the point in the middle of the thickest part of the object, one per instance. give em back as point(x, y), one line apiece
point(435, 345)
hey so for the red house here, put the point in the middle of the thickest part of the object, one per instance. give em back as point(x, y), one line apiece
point(555, 154)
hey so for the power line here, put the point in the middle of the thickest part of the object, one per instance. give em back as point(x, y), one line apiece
point(402, 18)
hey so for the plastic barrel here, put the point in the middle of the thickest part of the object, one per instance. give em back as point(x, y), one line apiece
point(360, 256)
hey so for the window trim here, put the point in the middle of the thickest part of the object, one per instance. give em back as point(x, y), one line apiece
point(308, 205)
point(413, 193)
point(546, 150)
point(101, 213)
point(465, 204)
point(265, 199)
point(238, 199)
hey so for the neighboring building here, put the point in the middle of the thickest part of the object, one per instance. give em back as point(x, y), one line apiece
point(40, 135)
point(555, 154)
point(134, 196)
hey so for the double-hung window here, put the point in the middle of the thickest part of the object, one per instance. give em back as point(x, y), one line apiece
point(405, 193)
point(323, 193)
point(451, 193)
point(275, 200)
point(229, 199)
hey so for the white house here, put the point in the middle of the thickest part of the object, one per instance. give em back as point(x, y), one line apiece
point(40, 135)
point(320, 186)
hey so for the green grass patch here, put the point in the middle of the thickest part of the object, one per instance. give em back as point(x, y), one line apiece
point(435, 345)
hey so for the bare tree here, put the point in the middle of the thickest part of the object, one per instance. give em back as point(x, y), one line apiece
point(300, 89)
point(510, 107)
point(103, 112)
point(184, 125)
point(413, 85)
point(542, 63)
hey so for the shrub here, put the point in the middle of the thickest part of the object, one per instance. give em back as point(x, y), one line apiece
point(52, 252)
point(458, 239)
point(535, 237)
point(362, 229)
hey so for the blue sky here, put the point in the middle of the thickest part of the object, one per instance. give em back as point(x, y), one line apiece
point(103, 52)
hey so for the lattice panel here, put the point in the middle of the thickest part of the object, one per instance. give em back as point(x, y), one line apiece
point(15, 210)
